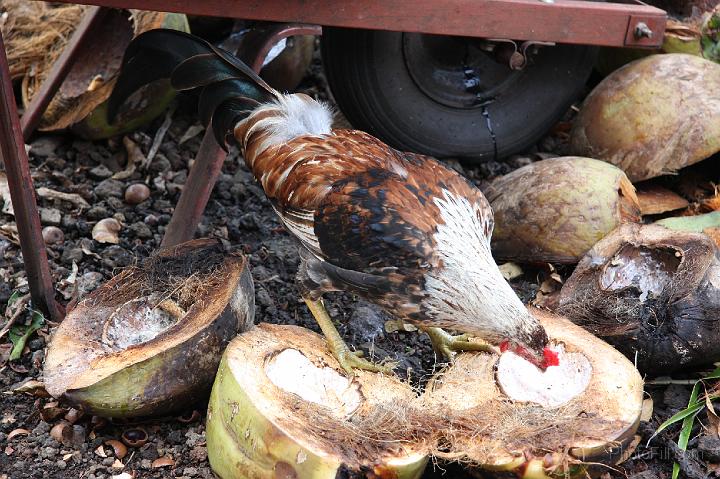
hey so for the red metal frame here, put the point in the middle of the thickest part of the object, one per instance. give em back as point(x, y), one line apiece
point(559, 21)
point(22, 194)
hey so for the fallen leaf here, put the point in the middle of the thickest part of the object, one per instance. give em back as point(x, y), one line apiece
point(713, 426)
point(117, 464)
point(100, 451)
point(510, 270)
point(5, 195)
point(73, 198)
point(17, 432)
point(134, 157)
point(106, 231)
point(32, 387)
point(191, 133)
point(655, 199)
point(394, 325)
point(647, 410)
point(162, 462)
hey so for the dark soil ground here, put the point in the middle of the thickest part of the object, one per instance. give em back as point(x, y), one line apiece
point(238, 214)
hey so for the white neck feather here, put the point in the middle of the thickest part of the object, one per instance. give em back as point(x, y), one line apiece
point(469, 293)
point(296, 115)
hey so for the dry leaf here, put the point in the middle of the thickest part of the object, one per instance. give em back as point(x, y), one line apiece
point(510, 270)
point(713, 426)
point(191, 133)
point(73, 198)
point(162, 462)
point(17, 432)
point(655, 200)
point(100, 451)
point(32, 387)
point(106, 231)
point(134, 157)
point(394, 325)
point(5, 195)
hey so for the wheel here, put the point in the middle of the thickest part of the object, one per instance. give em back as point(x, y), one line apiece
point(450, 96)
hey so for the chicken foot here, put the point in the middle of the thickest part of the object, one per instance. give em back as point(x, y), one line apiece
point(445, 344)
point(349, 360)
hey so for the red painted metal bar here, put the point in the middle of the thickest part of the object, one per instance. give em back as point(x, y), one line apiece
point(196, 192)
point(22, 193)
point(60, 69)
point(560, 21)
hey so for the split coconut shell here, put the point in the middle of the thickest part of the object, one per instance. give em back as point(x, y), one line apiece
point(34, 46)
point(555, 210)
point(653, 293)
point(281, 406)
point(652, 116)
point(149, 341)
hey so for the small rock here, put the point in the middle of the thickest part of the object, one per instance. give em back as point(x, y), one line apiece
point(61, 464)
point(176, 437)
point(50, 216)
point(141, 230)
point(647, 474)
point(366, 322)
point(151, 220)
point(36, 344)
point(709, 448)
point(109, 189)
point(98, 212)
point(71, 254)
point(48, 452)
point(100, 172)
point(676, 396)
point(190, 471)
point(199, 454)
point(45, 145)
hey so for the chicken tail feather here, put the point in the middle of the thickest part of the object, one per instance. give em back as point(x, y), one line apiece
point(229, 89)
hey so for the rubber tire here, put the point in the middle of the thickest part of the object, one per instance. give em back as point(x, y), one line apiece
point(368, 77)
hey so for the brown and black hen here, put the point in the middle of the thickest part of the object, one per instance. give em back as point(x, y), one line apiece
point(398, 229)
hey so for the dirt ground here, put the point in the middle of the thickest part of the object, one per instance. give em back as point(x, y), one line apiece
point(239, 214)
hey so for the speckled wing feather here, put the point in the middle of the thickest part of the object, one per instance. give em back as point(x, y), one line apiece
point(356, 202)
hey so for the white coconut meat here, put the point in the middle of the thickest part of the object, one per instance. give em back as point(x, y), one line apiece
point(522, 381)
point(293, 372)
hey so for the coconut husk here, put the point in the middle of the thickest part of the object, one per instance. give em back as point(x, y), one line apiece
point(37, 33)
point(652, 292)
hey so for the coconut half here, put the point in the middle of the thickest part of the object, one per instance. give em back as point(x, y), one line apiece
point(281, 407)
point(148, 342)
point(504, 414)
point(652, 292)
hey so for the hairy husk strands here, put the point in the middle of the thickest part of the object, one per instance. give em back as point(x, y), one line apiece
point(555, 210)
point(652, 293)
point(282, 407)
point(652, 116)
point(148, 342)
point(36, 34)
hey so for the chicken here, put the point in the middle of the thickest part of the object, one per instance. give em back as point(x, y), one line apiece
point(398, 229)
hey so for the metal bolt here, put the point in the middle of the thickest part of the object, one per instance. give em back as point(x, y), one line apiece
point(642, 31)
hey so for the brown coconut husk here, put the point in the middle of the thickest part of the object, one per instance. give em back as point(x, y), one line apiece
point(36, 33)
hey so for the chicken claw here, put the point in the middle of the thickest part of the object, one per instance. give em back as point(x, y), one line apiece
point(445, 344)
point(349, 360)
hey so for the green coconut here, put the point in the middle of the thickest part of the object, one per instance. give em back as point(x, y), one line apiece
point(149, 341)
point(281, 406)
point(81, 101)
point(555, 210)
point(653, 116)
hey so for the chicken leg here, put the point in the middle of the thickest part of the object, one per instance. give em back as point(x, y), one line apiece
point(349, 360)
point(445, 344)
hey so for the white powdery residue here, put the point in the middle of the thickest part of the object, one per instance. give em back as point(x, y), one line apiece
point(137, 322)
point(293, 372)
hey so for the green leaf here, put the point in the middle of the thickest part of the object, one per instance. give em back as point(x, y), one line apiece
point(13, 298)
point(19, 334)
point(687, 426)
